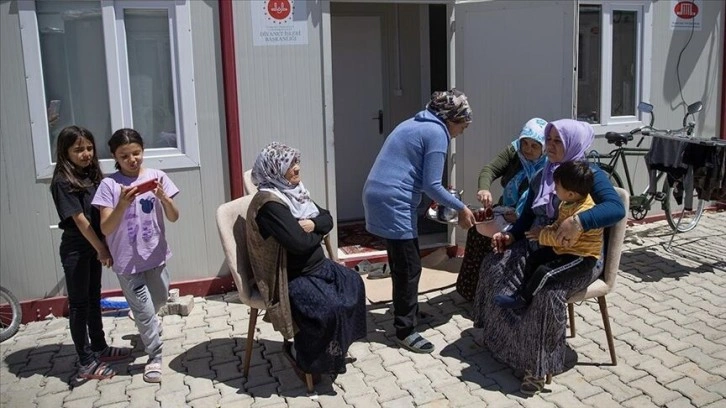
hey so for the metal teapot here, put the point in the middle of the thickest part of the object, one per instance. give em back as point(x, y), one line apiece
point(446, 214)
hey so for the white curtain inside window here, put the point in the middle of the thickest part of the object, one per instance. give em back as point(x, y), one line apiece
point(74, 69)
point(150, 74)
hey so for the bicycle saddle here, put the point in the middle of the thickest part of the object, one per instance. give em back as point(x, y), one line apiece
point(618, 139)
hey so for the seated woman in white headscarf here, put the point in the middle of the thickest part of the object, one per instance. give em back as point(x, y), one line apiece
point(309, 297)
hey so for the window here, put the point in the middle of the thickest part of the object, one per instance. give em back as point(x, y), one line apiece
point(612, 43)
point(106, 65)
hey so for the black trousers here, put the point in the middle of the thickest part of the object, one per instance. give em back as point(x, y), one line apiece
point(82, 270)
point(404, 259)
point(545, 266)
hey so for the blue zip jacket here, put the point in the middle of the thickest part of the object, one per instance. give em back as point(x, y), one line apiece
point(411, 162)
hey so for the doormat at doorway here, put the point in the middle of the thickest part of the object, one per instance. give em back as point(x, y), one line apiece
point(354, 239)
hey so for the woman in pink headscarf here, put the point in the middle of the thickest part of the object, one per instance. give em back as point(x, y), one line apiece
point(533, 340)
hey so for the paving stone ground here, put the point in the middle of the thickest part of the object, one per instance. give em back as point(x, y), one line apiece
point(668, 314)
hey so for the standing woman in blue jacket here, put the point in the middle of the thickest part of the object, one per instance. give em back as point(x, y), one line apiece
point(411, 162)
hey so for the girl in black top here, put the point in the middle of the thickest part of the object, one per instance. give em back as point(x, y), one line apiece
point(82, 250)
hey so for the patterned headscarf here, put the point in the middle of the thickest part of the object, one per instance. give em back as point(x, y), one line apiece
point(534, 130)
point(268, 174)
point(576, 139)
point(450, 105)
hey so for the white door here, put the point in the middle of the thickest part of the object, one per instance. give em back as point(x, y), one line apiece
point(358, 97)
point(514, 60)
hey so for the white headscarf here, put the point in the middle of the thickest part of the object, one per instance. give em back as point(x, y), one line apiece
point(268, 174)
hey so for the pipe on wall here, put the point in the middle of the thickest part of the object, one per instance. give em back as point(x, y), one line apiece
point(231, 107)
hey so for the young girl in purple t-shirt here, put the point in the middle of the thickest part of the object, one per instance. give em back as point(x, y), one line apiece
point(133, 222)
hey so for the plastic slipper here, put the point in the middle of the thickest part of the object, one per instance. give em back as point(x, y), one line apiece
point(417, 343)
point(96, 370)
point(152, 372)
point(111, 353)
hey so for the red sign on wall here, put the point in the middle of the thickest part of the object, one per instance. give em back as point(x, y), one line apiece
point(279, 9)
point(686, 10)
point(686, 15)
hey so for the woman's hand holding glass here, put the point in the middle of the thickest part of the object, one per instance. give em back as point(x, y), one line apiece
point(501, 240)
point(484, 197)
point(466, 218)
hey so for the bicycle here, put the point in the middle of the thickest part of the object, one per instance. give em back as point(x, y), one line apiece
point(10, 314)
point(670, 195)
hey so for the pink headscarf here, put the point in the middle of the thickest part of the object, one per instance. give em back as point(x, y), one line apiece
point(576, 139)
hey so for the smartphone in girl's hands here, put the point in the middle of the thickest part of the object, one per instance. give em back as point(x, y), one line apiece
point(146, 186)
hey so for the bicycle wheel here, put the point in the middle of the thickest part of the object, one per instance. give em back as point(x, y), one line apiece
point(612, 174)
point(10, 314)
point(678, 218)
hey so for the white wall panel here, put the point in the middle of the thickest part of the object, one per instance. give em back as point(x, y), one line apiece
point(211, 185)
point(27, 250)
point(700, 67)
point(701, 75)
point(280, 95)
point(29, 259)
point(514, 60)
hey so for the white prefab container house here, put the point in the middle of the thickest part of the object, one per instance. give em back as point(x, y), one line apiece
point(210, 82)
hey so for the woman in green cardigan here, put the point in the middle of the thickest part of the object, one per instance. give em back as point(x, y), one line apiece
point(516, 165)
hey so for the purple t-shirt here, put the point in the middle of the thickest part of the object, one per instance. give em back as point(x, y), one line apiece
point(138, 244)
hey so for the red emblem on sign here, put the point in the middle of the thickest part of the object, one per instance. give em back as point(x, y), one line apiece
point(686, 10)
point(279, 9)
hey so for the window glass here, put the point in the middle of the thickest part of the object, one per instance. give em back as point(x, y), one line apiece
point(74, 69)
point(150, 74)
point(623, 65)
point(589, 64)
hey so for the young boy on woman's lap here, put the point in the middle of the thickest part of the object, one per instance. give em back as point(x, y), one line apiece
point(553, 262)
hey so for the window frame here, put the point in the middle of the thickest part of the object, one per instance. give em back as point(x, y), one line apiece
point(644, 43)
point(186, 155)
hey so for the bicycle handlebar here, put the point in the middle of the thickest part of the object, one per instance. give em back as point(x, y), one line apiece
point(688, 129)
point(619, 139)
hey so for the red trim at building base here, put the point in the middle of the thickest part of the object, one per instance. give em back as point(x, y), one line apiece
point(37, 309)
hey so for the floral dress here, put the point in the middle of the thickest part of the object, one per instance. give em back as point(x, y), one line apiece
point(532, 339)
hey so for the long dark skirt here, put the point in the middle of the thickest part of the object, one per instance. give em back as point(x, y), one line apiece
point(328, 306)
point(477, 247)
point(532, 339)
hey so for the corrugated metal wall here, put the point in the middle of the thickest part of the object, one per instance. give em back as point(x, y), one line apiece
point(29, 260)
